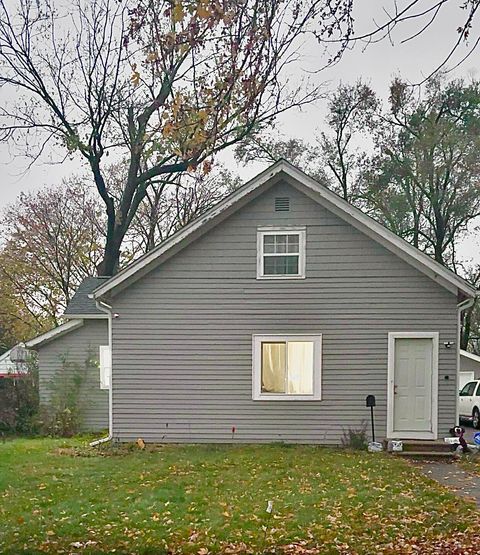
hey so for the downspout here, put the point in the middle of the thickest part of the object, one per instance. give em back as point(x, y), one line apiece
point(461, 307)
point(104, 307)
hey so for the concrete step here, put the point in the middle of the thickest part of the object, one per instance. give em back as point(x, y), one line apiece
point(430, 446)
point(425, 454)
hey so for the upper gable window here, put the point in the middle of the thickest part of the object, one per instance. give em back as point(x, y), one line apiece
point(281, 253)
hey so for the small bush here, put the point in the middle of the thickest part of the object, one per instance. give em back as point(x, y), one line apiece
point(62, 415)
point(356, 438)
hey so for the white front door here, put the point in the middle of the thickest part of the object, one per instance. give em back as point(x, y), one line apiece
point(413, 385)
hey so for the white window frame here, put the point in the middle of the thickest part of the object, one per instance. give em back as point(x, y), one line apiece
point(105, 366)
point(258, 395)
point(296, 230)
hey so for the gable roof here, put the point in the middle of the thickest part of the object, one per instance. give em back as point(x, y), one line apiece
point(321, 194)
point(81, 304)
point(53, 334)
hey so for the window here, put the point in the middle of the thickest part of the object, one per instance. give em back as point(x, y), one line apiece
point(105, 367)
point(468, 389)
point(287, 367)
point(281, 253)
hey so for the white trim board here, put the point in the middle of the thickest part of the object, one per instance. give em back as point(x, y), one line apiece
point(53, 334)
point(332, 201)
point(392, 336)
point(85, 316)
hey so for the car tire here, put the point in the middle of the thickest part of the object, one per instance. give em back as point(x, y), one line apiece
point(476, 418)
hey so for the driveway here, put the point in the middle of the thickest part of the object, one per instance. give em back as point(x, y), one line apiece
point(454, 477)
point(469, 431)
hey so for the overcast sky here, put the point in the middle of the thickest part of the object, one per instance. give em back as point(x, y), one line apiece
point(376, 64)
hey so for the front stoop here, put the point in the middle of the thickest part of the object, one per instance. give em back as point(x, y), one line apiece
point(424, 449)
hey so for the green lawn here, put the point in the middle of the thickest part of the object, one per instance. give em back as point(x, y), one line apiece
point(211, 499)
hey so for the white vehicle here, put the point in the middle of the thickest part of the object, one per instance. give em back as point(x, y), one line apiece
point(469, 405)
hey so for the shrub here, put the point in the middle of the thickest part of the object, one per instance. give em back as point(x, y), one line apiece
point(62, 415)
point(356, 438)
point(19, 401)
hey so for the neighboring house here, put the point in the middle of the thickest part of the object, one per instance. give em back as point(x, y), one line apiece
point(74, 348)
point(469, 368)
point(11, 368)
point(273, 316)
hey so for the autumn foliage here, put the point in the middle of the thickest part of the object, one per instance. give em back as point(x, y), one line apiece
point(160, 85)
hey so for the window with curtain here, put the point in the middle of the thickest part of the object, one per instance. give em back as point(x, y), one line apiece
point(281, 253)
point(287, 367)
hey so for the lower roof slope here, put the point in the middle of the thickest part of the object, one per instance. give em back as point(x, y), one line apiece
point(82, 305)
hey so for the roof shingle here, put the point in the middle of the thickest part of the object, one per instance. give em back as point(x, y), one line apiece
point(81, 303)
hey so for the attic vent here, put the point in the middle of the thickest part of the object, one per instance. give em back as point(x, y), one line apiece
point(282, 204)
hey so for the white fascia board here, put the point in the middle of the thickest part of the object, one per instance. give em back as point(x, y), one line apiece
point(53, 334)
point(85, 316)
point(471, 356)
point(5, 356)
point(339, 206)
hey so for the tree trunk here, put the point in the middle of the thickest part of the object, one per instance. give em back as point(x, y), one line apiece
point(110, 263)
point(466, 328)
point(115, 235)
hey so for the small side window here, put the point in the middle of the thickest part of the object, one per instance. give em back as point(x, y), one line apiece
point(105, 367)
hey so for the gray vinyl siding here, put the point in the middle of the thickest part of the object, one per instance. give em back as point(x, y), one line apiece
point(182, 342)
point(76, 348)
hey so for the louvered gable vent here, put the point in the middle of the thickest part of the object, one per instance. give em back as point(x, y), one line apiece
point(282, 204)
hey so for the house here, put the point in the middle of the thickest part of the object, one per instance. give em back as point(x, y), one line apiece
point(469, 368)
point(11, 366)
point(273, 316)
point(74, 349)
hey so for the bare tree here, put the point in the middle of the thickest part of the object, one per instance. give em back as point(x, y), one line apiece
point(425, 15)
point(351, 112)
point(263, 147)
point(168, 207)
point(161, 84)
point(334, 159)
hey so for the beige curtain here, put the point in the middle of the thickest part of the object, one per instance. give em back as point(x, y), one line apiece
point(274, 367)
point(300, 367)
point(287, 369)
